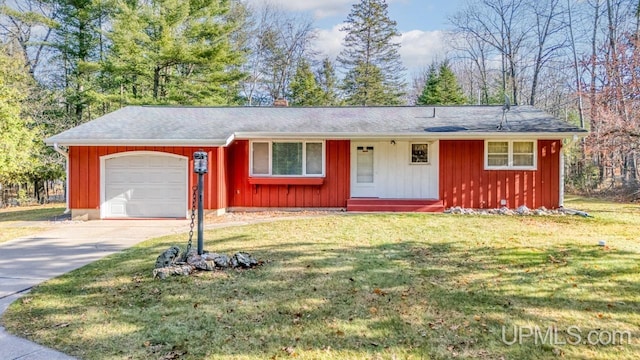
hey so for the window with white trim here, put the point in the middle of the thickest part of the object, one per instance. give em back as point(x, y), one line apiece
point(510, 154)
point(287, 158)
point(420, 153)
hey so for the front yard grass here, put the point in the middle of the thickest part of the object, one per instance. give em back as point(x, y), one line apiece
point(388, 286)
point(12, 220)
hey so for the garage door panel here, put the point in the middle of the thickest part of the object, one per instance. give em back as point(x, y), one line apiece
point(145, 185)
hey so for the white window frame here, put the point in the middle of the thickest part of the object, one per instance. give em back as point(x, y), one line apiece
point(428, 153)
point(304, 157)
point(510, 165)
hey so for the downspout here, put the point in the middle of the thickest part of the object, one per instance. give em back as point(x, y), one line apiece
point(66, 168)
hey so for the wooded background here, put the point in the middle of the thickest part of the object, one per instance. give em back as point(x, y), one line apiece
point(65, 62)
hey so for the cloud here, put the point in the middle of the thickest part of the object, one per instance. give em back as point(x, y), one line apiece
point(420, 48)
point(319, 8)
point(329, 41)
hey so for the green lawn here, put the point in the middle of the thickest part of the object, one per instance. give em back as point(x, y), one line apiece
point(409, 286)
point(12, 220)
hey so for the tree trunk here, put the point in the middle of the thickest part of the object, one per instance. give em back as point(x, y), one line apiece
point(156, 82)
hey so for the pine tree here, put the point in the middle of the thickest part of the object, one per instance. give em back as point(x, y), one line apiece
point(78, 41)
point(365, 86)
point(328, 82)
point(172, 51)
point(450, 91)
point(370, 56)
point(304, 89)
point(441, 87)
point(431, 91)
point(17, 139)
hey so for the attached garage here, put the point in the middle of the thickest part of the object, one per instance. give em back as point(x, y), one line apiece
point(137, 162)
point(144, 185)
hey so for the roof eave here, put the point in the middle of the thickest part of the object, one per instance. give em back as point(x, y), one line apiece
point(432, 135)
point(136, 142)
point(301, 135)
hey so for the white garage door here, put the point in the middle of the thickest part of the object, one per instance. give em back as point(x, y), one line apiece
point(145, 186)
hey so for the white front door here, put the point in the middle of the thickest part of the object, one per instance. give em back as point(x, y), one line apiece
point(363, 170)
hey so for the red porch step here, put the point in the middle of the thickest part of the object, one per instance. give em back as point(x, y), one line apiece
point(395, 205)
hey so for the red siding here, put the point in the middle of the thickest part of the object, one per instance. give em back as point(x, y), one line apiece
point(84, 174)
point(465, 183)
point(333, 193)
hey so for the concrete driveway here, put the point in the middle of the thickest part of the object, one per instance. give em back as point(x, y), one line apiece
point(28, 261)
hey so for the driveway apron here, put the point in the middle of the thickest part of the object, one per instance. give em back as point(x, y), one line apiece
point(28, 261)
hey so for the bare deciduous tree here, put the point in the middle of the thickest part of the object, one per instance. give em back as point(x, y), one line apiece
point(29, 24)
point(279, 40)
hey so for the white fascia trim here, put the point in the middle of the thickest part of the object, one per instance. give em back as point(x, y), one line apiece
point(316, 136)
point(435, 136)
point(140, 142)
point(230, 139)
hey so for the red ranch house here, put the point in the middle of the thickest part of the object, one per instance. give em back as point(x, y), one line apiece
point(137, 162)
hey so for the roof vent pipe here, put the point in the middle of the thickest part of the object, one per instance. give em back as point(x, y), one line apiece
point(434, 112)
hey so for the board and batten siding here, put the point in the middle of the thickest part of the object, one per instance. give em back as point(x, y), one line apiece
point(395, 177)
point(84, 173)
point(464, 181)
point(333, 193)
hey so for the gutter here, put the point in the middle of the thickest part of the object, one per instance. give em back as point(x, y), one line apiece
point(138, 142)
point(66, 168)
point(430, 135)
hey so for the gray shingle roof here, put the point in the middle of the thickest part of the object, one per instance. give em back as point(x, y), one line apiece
point(202, 126)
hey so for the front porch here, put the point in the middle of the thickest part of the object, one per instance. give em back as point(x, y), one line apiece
point(395, 205)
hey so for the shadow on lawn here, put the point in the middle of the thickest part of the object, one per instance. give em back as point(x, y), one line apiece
point(405, 298)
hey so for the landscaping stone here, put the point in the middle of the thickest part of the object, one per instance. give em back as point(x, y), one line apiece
point(244, 260)
point(167, 265)
point(520, 211)
point(220, 260)
point(165, 272)
point(168, 257)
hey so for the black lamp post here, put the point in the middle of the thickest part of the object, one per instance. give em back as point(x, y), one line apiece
point(200, 167)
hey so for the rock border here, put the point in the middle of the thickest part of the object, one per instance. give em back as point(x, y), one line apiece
point(170, 263)
point(520, 211)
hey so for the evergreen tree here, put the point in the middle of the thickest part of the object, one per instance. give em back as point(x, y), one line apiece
point(175, 52)
point(370, 56)
point(17, 139)
point(304, 89)
point(431, 91)
point(450, 91)
point(328, 82)
point(78, 42)
point(365, 86)
point(441, 87)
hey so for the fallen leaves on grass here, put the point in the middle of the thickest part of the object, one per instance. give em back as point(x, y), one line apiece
point(173, 354)
point(290, 350)
point(379, 291)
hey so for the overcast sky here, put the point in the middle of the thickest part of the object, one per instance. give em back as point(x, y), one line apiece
point(421, 23)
